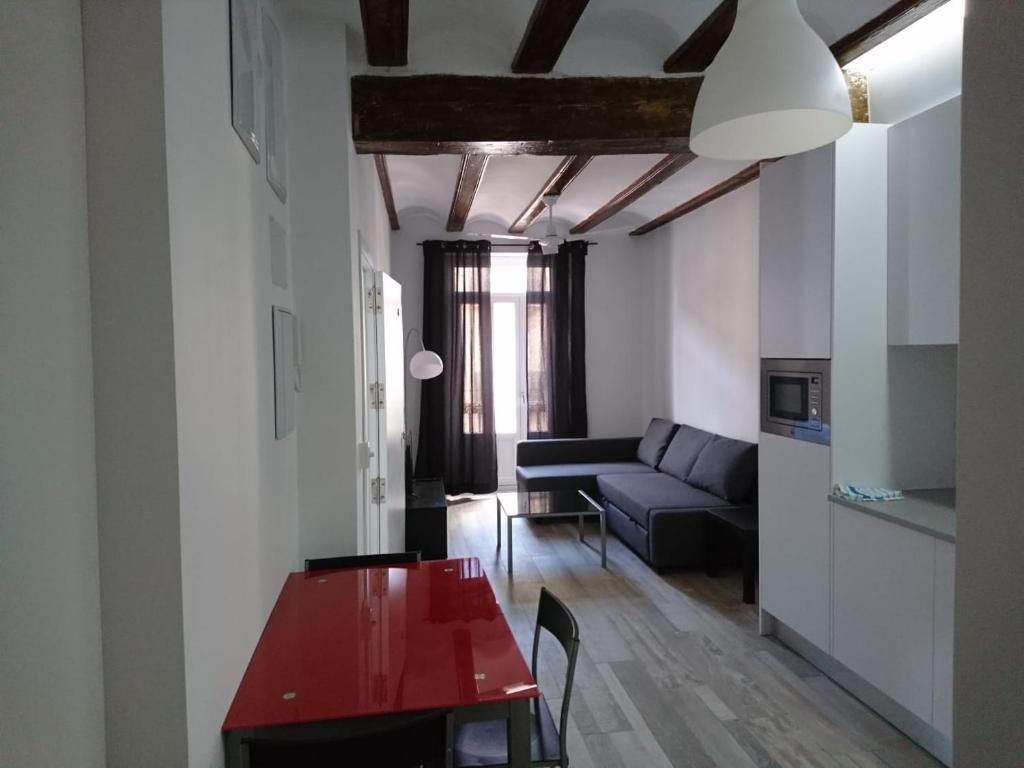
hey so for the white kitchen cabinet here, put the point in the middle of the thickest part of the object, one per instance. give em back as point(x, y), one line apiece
point(794, 535)
point(924, 227)
point(942, 696)
point(883, 606)
point(796, 255)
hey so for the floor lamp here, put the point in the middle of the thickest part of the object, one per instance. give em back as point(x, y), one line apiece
point(423, 365)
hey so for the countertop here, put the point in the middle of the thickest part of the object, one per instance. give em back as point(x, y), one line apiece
point(931, 511)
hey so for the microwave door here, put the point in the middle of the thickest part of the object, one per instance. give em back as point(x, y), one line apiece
point(788, 398)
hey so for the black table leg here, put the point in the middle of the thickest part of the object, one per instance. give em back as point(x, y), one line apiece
point(749, 566)
point(519, 733)
point(710, 548)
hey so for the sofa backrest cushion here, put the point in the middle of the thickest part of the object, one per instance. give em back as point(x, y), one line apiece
point(683, 451)
point(726, 468)
point(655, 441)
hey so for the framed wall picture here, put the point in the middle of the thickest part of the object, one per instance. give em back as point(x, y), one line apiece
point(277, 149)
point(244, 73)
point(284, 372)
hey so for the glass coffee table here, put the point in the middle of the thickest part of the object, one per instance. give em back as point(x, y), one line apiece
point(549, 504)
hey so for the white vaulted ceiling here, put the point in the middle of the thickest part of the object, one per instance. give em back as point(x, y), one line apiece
point(612, 38)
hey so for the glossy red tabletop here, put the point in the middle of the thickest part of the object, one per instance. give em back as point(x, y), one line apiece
point(370, 641)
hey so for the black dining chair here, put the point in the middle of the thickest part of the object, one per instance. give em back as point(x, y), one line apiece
point(485, 744)
point(361, 561)
point(414, 741)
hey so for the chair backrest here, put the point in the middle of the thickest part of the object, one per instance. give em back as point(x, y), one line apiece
point(556, 618)
point(361, 561)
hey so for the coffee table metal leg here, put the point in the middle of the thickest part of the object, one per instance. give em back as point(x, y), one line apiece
point(604, 542)
point(497, 512)
point(510, 547)
point(579, 525)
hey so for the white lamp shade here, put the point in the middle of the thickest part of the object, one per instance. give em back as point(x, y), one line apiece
point(774, 89)
point(426, 365)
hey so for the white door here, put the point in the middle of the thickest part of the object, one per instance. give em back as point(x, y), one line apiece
point(508, 322)
point(391, 414)
point(369, 514)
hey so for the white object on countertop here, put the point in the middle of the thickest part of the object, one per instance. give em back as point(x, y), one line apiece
point(863, 493)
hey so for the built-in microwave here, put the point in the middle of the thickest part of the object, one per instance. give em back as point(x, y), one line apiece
point(795, 399)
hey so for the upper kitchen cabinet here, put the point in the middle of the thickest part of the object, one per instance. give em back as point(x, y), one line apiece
point(814, 206)
point(796, 255)
point(924, 227)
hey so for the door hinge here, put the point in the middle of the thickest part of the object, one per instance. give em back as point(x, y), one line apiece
point(377, 396)
point(378, 491)
point(375, 300)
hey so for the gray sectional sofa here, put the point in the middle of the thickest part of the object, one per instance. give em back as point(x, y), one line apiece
point(657, 489)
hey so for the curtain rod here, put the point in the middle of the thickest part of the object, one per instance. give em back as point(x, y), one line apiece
point(525, 245)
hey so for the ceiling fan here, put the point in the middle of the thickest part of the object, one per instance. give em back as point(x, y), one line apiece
point(550, 235)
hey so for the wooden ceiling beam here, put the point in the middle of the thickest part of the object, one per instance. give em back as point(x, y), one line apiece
point(563, 175)
point(656, 174)
point(385, 189)
point(742, 178)
point(458, 114)
point(551, 24)
point(470, 175)
point(699, 49)
point(895, 18)
point(386, 32)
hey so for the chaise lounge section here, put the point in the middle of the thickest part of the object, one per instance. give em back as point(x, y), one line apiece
point(657, 490)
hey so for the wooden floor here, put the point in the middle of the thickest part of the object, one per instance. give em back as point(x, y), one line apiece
point(671, 670)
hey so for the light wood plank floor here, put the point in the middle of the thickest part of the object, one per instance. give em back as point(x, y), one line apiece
point(671, 670)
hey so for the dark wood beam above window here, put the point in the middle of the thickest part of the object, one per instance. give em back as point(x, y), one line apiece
point(386, 32)
point(470, 175)
point(385, 189)
point(457, 114)
point(742, 178)
point(656, 174)
point(700, 48)
point(551, 24)
point(562, 177)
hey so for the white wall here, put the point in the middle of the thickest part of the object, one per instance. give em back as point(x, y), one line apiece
point(51, 677)
point(238, 486)
point(915, 74)
point(134, 380)
point(989, 656)
point(707, 340)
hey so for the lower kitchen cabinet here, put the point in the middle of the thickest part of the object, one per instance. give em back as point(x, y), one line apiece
point(942, 696)
point(883, 606)
point(793, 534)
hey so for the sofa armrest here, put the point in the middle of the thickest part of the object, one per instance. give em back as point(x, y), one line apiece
point(531, 453)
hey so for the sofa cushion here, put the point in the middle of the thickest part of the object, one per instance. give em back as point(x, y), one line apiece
point(637, 494)
point(726, 468)
point(655, 441)
point(682, 452)
point(553, 477)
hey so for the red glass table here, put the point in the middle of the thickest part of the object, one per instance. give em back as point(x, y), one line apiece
point(343, 649)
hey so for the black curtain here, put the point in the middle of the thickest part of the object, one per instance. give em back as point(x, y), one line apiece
point(457, 441)
point(556, 375)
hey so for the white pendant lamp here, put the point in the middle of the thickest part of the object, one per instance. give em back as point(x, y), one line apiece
point(774, 89)
point(424, 364)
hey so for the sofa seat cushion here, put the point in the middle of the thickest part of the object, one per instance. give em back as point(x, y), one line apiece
point(639, 494)
point(553, 477)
